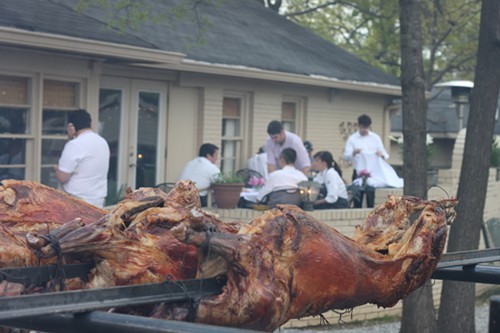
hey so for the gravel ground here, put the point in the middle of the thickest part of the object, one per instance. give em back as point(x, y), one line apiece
point(482, 321)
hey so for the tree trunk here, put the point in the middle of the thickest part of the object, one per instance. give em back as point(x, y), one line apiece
point(418, 310)
point(456, 313)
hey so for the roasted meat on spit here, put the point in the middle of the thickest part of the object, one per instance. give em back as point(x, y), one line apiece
point(282, 265)
point(286, 265)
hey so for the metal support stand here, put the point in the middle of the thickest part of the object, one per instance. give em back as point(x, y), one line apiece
point(494, 314)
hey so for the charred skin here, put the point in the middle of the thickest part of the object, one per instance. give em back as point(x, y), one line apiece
point(23, 201)
point(286, 265)
point(132, 244)
point(282, 265)
point(27, 206)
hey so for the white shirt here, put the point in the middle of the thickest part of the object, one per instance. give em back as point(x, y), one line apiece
point(283, 179)
point(202, 172)
point(335, 186)
point(293, 141)
point(86, 158)
point(369, 144)
point(258, 163)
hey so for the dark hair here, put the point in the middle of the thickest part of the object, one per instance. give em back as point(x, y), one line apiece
point(327, 157)
point(289, 155)
point(308, 145)
point(274, 127)
point(364, 120)
point(80, 119)
point(207, 149)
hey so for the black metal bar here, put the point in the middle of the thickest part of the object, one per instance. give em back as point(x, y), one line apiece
point(94, 299)
point(473, 257)
point(479, 274)
point(494, 325)
point(42, 274)
point(104, 322)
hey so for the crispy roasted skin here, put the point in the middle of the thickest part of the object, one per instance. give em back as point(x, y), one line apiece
point(132, 244)
point(24, 201)
point(286, 265)
point(27, 206)
point(283, 265)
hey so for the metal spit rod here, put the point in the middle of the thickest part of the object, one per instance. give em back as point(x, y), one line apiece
point(93, 299)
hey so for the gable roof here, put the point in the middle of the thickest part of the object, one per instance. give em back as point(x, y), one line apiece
point(240, 33)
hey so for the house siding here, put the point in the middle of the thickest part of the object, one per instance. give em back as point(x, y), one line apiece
point(194, 104)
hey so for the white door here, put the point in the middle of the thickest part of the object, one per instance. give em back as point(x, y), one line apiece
point(132, 118)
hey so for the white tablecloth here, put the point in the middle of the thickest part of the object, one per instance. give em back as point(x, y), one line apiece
point(249, 194)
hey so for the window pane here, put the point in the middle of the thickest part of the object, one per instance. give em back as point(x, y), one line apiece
point(288, 111)
point(147, 135)
point(231, 108)
point(13, 154)
point(289, 126)
point(14, 120)
point(229, 152)
point(55, 121)
point(110, 105)
point(288, 116)
point(52, 150)
point(13, 90)
point(60, 94)
point(231, 128)
point(48, 177)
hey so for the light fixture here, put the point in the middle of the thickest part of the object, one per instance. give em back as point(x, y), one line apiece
point(308, 193)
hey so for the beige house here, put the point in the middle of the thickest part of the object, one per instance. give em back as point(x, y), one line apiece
point(156, 97)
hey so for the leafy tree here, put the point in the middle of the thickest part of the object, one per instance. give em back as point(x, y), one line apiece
point(123, 15)
point(370, 29)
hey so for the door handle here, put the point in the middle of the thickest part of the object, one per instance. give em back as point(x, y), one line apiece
point(132, 165)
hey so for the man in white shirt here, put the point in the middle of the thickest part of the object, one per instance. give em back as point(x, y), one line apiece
point(278, 140)
point(202, 170)
point(362, 146)
point(84, 162)
point(281, 186)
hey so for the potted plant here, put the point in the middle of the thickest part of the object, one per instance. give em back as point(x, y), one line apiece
point(227, 189)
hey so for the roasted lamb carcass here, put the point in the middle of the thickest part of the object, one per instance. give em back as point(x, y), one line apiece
point(133, 244)
point(286, 265)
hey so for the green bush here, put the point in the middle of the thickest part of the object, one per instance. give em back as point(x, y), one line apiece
point(228, 178)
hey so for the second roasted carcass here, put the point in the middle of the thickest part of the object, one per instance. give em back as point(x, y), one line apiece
point(286, 265)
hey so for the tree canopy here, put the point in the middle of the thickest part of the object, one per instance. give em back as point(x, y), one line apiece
point(370, 29)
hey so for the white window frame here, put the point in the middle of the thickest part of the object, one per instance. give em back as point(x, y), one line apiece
point(241, 140)
point(299, 113)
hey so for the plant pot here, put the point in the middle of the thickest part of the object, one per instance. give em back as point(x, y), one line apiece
point(227, 195)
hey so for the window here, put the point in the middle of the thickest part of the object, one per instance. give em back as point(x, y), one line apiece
point(15, 116)
point(289, 116)
point(231, 134)
point(59, 99)
point(110, 108)
point(292, 114)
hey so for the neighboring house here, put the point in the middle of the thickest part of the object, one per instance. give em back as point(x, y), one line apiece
point(156, 97)
point(443, 125)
